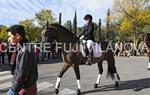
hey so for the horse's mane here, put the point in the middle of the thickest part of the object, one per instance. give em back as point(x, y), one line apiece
point(66, 31)
point(62, 27)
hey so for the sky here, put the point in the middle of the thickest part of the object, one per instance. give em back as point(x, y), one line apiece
point(13, 11)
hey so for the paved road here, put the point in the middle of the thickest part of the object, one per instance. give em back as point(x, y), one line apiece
point(135, 79)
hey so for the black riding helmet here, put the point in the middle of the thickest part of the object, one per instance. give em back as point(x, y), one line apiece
point(88, 16)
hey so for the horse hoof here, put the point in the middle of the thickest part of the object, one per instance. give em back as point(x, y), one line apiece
point(148, 68)
point(116, 84)
point(78, 92)
point(56, 91)
point(95, 85)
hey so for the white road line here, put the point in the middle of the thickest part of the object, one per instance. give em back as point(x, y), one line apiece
point(5, 85)
point(40, 86)
point(6, 77)
point(66, 91)
point(44, 85)
point(4, 72)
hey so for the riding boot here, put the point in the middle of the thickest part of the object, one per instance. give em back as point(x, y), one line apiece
point(89, 61)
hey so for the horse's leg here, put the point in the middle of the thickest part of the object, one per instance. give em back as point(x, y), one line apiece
point(149, 60)
point(112, 70)
point(64, 69)
point(77, 73)
point(100, 68)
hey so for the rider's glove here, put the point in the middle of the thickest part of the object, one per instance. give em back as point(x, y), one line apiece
point(81, 38)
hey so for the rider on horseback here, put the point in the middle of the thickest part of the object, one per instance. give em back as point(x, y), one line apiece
point(87, 37)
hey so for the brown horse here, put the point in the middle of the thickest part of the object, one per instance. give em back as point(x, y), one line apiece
point(147, 41)
point(74, 59)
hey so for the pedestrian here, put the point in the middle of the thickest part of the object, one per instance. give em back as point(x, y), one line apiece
point(26, 72)
point(2, 52)
point(9, 54)
point(37, 53)
point(117, 48)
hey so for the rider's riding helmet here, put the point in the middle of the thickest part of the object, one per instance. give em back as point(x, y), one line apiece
point(88, 16)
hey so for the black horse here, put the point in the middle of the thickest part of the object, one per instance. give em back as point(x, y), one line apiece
point(74, 59)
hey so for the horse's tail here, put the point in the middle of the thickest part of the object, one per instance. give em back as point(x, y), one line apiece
point(111, 65)
point(110, 59)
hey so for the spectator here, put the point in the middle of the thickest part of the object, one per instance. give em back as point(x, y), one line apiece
point(117, 48)
point(2, 52)
point(9, 54)
point(26, 73)
point(37, 53)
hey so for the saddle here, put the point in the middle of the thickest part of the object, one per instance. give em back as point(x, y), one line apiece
point(89, 46)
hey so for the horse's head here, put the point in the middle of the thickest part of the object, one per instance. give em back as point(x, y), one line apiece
point(49, 33)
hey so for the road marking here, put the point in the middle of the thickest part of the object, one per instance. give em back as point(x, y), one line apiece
point(40, 86)
point(66, 92)
point(4, 72)
point(6, 77)
point(5, 85)
point(44, 85)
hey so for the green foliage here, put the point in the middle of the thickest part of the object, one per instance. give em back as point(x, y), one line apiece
point(80, 30)
point(32, 32)
point(68, 25)
point(60, 18)
point(75, 23)
point(134, 16)
point(99, 30)
point(108, 21)
point(130, 19)
point(43, 16)
point(3, 33)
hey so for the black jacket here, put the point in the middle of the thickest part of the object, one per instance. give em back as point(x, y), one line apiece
point(26, 72)
point(88, 32)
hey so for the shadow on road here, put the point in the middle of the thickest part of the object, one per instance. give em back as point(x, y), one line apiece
point(135, 85)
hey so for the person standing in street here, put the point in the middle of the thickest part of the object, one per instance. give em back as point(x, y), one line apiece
point(2, 53)
point(25, 72)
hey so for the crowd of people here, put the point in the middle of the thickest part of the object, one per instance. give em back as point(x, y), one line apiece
point(4, 53)
point(129, 49)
